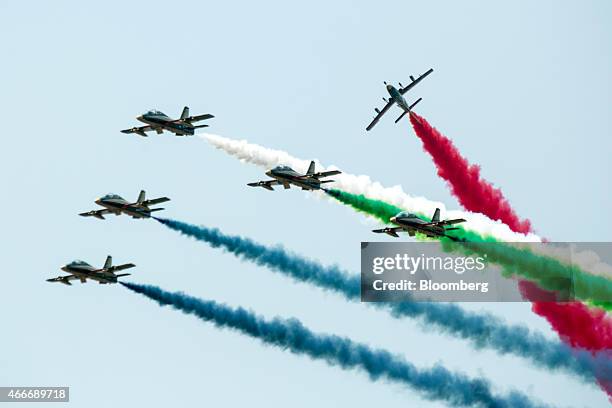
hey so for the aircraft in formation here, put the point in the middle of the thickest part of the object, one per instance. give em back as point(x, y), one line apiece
point(82, 271)
point(286, 176)
point(412, 224)
point(159, 121)
point(397, 97)
point(281, 175)
point(114, 204)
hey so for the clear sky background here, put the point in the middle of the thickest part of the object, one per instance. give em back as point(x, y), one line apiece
point(523, 88)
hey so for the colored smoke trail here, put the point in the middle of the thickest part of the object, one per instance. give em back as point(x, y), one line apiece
point(268, 158)
point(482, 330)
point(363, 185)
point(474, 193)
point(575, 324)
point(435, 383)
point(548, 272)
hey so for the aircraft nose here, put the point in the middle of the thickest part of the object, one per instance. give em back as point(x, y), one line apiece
point(269, 173)
point(393, 219)
point(64, 268)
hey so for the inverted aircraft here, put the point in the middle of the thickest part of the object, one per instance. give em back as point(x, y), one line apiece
point(412, 224)
point(159, 121)
point(285, 176)
point(397, 97)
point(82, 271)
point(114, 204)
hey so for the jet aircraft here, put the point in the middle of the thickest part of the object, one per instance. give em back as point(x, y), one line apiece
point(285, 176)
point(114, 204)
point(82, 271)
point(398, 98)
point(412, 224)
point(159, 121)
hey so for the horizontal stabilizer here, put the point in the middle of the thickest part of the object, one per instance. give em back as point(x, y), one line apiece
point(451, 222)
point(414, 104)
point(401, 116)
point(200, 126)
point(122, 267)
point(155, 201)
point(324, 174)
point(198, 118)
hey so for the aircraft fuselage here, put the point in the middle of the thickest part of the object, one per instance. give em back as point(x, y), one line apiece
point(418, 225)
point(84, 272)
point(119, 205)
point(287, 177)
point(397, 97)
point(177, 127)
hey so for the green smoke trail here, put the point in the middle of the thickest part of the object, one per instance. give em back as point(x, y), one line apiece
point(548, 273)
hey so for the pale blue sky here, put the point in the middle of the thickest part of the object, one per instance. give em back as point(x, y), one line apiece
point(522, 87)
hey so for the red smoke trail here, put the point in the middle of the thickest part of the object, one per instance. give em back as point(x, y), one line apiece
point(474, 193)
point(576, 324)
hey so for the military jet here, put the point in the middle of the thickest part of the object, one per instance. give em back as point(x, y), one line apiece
point(285, 176)
point(83, 271)
point(412, 224)
point(159, 121)
point(398, 98)
point(114, 204)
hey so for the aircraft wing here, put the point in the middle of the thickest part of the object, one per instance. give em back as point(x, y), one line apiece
point(324, 174)
point(140, 130)
point(155, 201)
point(414, 82)
point(267, 184)
point(379, 114)
point(63, 279)
point(95, 213)
point(389, 231)
point(198, 118)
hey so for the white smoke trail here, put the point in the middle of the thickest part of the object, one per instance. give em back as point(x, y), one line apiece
point(362, 184)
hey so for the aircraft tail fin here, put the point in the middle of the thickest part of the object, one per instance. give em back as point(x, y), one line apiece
point(141, 197)
point(311, 168)
point(185, 113)
point(109, 262)
point(436, 216)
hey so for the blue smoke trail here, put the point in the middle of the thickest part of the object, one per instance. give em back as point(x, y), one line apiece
point(435, 383)
point(482, 330)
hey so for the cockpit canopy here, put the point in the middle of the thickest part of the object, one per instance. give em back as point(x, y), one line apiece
point(79, 262)
point(111, 197)
point(284, 168)
point(405, 214)
point(153, 112)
